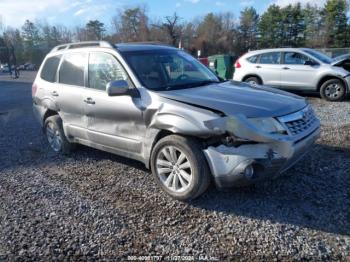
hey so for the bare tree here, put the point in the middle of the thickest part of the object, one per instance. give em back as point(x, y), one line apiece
point(172, 27)
point(80, 34)
point(14, 42)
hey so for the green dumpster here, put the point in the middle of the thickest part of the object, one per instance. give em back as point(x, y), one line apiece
point(222, 65)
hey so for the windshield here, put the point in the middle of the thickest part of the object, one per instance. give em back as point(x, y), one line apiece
point(162, 70)
point(320, 56)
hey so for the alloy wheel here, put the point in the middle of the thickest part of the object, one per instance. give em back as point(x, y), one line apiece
point(333, 90)
point(54, 137)
point(174, 169)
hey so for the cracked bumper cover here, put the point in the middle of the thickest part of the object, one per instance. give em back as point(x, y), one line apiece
point(228, 164)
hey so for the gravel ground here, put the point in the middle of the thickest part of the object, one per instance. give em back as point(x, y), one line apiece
point(94, 205)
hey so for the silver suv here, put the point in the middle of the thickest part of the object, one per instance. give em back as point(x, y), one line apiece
point(298, 69)
point(159, 105)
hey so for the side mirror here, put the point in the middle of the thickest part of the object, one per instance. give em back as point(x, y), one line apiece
point(117, 88)
point(310, 63)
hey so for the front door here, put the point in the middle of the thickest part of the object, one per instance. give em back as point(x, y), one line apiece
point(113, 121)
point(296, 75)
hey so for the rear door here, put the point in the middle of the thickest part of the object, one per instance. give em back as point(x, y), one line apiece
point(69, 93)
point(269, 68)
point(113, 121)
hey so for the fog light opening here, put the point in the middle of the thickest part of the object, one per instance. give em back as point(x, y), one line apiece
point(249, 172)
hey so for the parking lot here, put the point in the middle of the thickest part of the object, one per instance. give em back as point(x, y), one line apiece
point(98, 205)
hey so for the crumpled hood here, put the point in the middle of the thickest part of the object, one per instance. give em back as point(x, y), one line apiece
point(234, 98)
point(340, 60)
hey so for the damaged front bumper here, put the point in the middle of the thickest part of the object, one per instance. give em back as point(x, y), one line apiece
point(237, 166)
point(347, 81)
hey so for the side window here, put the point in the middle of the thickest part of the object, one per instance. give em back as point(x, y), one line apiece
point(49, 70)
point(103, 68)
point(72, 69)
point(293, 58)
point(253, 59)
point(270, 58)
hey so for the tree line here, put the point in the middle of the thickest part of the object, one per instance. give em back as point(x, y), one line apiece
point(293, 25)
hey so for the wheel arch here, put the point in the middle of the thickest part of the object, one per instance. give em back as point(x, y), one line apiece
point(329, 77)
point(48, 113)
point(161, 134)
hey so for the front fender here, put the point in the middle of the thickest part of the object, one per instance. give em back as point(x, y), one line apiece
point(184, 119)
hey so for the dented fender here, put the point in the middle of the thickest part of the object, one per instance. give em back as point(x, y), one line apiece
point(183, 119)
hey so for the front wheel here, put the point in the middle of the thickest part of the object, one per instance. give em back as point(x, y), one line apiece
point(333, 90)
point(179, 167)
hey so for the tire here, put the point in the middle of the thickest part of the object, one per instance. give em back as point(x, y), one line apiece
point(197, 177)
point(53, 130)
point(333, 90)
point(253, 81)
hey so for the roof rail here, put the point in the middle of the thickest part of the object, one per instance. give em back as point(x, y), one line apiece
point(144, 43)
point(81, 44)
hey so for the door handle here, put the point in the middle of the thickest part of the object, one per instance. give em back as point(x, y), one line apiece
point(258, 66)
point(285, 68)
point(89, 101)
point(54, 93)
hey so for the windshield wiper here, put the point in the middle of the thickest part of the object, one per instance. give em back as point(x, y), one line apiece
point(193, 84)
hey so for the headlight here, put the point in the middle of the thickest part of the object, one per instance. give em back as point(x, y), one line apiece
point(267, 125)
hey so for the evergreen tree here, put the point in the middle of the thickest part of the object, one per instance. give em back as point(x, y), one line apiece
point(313, 22)
point(94, 30)
point(270, 28)
point(33, 51)
point(336, 23)
point(292, 26)
point(248, 29)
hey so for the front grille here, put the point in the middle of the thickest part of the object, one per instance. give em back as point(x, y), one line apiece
point(298, 126)
point(300, 121)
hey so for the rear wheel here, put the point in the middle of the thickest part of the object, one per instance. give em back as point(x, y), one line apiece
point(253, 81)
point(179, 167)
point(55, 135)
point(333, 90)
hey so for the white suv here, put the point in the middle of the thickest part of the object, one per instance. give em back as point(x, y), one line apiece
point(298, 69)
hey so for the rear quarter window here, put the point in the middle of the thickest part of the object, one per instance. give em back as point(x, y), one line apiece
point(253, 59)
point(48, 73)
